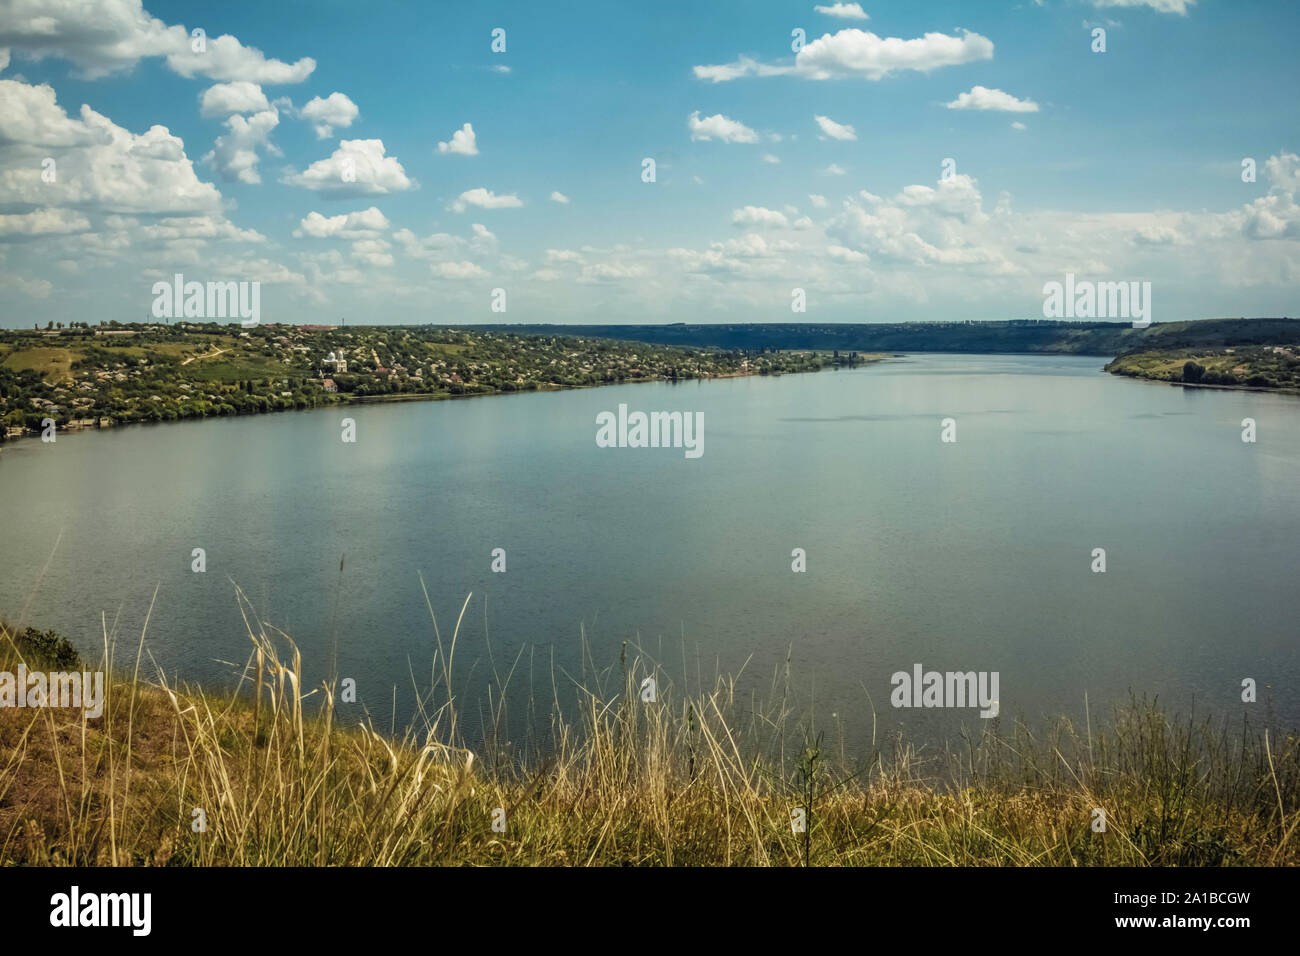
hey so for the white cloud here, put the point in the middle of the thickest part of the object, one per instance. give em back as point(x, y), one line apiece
point(428, 247)
point(357, 168)
point(817, 200)
point(1277, 215)
point(841, 254)
point(462, 142)
point(844, 11)
point(222, 99)
point(29, 115)
point(611, 271)
point(1157, 235)
point(32, 288)
point(719, 127)
point(834, 169)
point(365, 223)
point(234, 154)
point(835, 130)
point(773, 160)
point(373, 252)
point(1160, 6)
point(555, 256)
point(982, 98)
point(557, 196)
point(43, 222)
point(758, 216)
point(484, 199)
point(325, 114)
point(100, 165)
point(457, 270)
point(1018, 125)
point(860, 53)
point(187, 229)
point(108, 36)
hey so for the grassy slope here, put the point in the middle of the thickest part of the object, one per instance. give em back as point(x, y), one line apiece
point(678, 782)
point(1239, 366)
point(54, 363)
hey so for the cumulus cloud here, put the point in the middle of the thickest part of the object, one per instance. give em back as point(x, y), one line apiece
point(357, 168)
point(373, 252)
point(427, 247)
point(835, 130)
point(983, 98)
point(1161, 6)
point(364, 224)
point(43, 222)
point(1277, 215)
point(234, 155)
point(325, 114)
point(99, 164)
point(222, 99)
point(860, 53)
point(845, 11)
point(108, 36)
point(611, 271)
point(719, 127)
point(484, 199)
point(557, 196)
point(842, 254)
point(556, 256)
point(760, 217)
point(457, 270)
point(463, 142)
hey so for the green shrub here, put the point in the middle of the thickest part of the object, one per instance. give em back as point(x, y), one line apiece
point(47, 649)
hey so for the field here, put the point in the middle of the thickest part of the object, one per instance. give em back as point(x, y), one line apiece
point(55, 364)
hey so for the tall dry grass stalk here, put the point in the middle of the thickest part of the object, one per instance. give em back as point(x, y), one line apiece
point(690, 779)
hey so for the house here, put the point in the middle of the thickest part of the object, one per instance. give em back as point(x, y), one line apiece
point(329, 385)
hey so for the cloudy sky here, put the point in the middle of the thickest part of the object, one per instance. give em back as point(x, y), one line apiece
point(381, 162)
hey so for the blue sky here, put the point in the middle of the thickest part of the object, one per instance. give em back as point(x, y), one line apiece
point(1122, 165)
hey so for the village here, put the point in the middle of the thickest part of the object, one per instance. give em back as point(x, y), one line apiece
point(95, 376)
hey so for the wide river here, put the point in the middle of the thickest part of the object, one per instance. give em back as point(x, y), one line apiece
point(974, 555)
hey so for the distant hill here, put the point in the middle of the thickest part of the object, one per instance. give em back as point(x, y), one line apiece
point(1079, 338)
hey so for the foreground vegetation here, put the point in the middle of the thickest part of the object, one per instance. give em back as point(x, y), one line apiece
point(275, 781)
point(93, 376)
point(1251, 366)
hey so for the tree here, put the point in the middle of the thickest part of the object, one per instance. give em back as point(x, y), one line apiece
point(1193, 372)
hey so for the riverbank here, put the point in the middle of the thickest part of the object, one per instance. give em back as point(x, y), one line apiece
point(70, 379)
point(1259, 368)
point(176, 775)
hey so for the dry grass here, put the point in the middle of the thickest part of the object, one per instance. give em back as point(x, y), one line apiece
point(675, 782)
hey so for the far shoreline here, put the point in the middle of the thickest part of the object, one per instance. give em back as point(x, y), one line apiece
point(406, 397)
